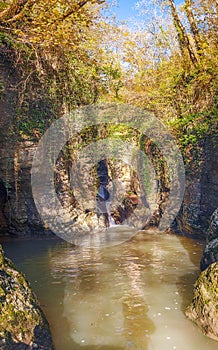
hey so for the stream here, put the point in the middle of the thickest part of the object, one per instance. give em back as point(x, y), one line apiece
point(128, 296)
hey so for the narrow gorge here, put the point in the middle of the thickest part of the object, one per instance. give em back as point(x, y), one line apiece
point(108, 176)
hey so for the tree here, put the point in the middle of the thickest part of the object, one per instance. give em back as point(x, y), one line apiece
point(56, 48)
point(165, 70)
point(194, 29)
point(183, 38)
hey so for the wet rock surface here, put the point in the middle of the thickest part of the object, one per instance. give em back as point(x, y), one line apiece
point(204, 307)
point(22, 323)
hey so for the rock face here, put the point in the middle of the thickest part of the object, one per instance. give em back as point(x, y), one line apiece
point(204, 307)
point(201, 192)
point(212, 232)
point(210, 254)
point(18, 208)
point(18, 213)
point(22, 323)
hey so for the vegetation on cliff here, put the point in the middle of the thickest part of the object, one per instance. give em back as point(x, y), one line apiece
point(67, 54)
point(56, 49)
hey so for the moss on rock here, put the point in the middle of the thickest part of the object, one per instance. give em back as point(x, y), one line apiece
point(22, 322)
point(204, 307)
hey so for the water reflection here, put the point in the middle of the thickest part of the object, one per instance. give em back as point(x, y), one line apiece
point(130, 296)
point(104, 301)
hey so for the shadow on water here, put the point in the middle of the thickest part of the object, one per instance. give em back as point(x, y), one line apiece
point(194, 249)
point(185, 292)
point(23, 249)
point(189, 244)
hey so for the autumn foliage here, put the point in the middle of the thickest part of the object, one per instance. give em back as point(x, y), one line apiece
point(70, 53)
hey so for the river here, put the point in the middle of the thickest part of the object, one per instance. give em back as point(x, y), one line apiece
point(128, 296)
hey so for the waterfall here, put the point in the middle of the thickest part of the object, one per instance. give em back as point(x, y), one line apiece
point(110, 219)
point(103, 195)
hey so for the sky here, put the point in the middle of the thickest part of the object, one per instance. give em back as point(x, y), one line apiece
point(125, 9)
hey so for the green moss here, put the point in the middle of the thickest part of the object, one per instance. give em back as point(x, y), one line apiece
point(3, 5)
point(192, 128)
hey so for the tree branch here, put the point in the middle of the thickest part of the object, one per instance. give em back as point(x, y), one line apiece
point(14, 9)
point(79, 6)
point(72, 10)
point(182, 35)
point(192, 22)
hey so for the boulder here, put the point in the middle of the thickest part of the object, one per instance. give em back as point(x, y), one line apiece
point(22, 323)
point(204, 307)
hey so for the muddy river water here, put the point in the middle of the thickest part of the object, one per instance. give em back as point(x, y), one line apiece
point(128, 296)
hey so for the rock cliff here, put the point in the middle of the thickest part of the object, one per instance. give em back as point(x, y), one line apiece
point(201, 192)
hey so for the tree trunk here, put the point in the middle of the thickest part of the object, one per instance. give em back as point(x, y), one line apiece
point(192, 22)
point(182, 35)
